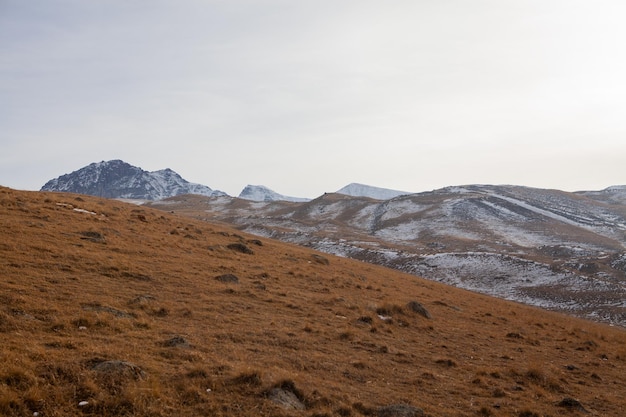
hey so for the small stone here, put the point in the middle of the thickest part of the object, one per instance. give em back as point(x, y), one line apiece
point(83, 403)
point(228, 278)
point(319, 259)
point(286, 399)
point(240, 247)
point(400, 410)
point(418, 308)
point(571, 404)
point(119, 368)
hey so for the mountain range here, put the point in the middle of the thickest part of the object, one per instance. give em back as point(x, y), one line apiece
point(558, 250)
point(118, 179)
point(549, 248)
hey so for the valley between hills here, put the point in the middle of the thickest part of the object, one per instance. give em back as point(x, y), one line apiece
point(114, 309)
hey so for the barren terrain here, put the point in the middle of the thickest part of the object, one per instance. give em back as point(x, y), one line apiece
point(549, 248)
point(112, 309)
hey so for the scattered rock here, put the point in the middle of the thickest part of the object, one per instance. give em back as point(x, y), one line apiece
point(287, 396)
point(572, 404)
point(105, 309)
point(319, 259)
point(136, 276)
point(175, 341)
point(255, 242)
point(447, 362)
point(400, 410)
point(142, 299)
point(418, 308)
point(240, 247)
point(119, 368)
point(96, 237)
point(228, 278)
point(285, 399)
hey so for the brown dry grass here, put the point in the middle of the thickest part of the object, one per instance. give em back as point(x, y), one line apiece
point(138, 287)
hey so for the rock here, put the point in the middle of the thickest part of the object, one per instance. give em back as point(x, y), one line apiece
point(286, 399)
point(418, 308)
point(91, 236)
point(240, 247)
point(400, 410)
point(119, 368)
point(572, 404)
point(228, 278)
point(105, 309)
point(287, 396)
point(319, 259)
point(175, 341)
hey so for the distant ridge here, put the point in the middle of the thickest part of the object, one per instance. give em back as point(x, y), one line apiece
point(615, 194)
point(536, 246)
point(377, 193)
point(118, 179)
point(262, 193)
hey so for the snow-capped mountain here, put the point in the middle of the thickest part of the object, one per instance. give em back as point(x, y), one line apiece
point(262, 193)
point(377, 193)
point(548, 248)
point(118, 179)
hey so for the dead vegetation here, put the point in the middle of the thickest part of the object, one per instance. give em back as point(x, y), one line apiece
point(109, 309)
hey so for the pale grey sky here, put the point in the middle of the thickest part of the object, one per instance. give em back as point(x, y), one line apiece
point(307, 96)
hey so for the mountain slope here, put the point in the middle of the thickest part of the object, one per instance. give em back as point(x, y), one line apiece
point(544, 247)
point(362, 190)
point(262, 193)
point(111, 309)
point(118, 179)
point(614, 195)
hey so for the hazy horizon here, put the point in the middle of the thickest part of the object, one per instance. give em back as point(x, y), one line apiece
point(307, 97)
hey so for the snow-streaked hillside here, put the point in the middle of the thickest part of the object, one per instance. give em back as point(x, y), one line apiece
point(615, 194)
point(118, 179)
point(262, 193)
point(544, 247)
point(377, 193)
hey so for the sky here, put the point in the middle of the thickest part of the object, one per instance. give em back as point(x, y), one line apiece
point(305, 97)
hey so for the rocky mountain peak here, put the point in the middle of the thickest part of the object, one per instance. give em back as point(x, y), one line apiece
point(118, 179)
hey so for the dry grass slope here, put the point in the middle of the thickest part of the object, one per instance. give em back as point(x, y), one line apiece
point(110, 309)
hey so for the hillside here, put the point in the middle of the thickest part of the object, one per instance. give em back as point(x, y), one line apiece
point(110, 309)
point(548, 248)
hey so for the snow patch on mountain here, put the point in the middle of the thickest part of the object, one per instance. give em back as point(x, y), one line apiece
point(262, 193)
point(377, 193)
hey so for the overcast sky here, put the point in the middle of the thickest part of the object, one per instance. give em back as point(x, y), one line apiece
point(308, 96)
